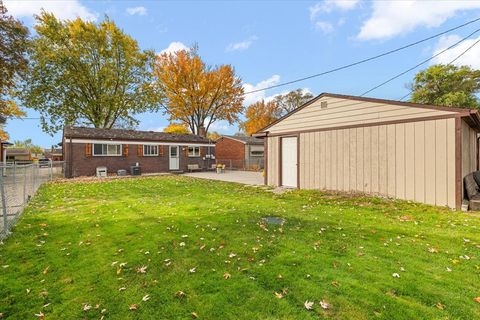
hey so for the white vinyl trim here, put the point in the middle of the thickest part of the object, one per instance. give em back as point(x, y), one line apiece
point(141, 142)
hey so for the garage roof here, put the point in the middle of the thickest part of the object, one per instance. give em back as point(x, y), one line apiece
point(314, 105)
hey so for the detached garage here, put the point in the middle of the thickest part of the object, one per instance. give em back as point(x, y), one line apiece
point(382, 147)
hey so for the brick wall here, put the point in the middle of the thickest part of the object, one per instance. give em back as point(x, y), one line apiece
point(230, 151)
point(79, 164)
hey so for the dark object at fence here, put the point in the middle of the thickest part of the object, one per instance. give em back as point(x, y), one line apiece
point(135, 170)
point(472, 191)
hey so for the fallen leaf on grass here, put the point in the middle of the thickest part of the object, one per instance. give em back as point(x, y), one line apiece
point(194, 315)
point(335, 283)
point(45, 271)
point(180, 294)
point(395, 275)
point(193, 270)
point(324, 304)
point(227, 276)
point(142, 269)
point(278, 295)
point(132, 307)
point(146, 297)
point(308, 305)
point(40, 315)
point(86, 307)
point(477, 299)
point(440, 306)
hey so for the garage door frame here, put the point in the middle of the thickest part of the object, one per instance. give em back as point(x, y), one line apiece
point(280, 147)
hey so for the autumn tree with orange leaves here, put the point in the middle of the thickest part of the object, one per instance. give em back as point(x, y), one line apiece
point(197, 94)
point(177, 128)
point(259, 115)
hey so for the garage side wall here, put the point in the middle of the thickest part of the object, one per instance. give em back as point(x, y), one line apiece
point(273, 161)
point(469, 150)
point(412, 161)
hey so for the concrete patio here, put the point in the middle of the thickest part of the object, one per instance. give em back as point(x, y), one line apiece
point(245, 177)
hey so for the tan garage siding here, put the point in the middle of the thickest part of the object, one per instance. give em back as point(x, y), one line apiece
point(469, 150)
point(346, 112)
point(273, 161)
point(414, 161)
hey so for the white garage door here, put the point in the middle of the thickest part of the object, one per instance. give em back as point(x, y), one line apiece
point(289, 162)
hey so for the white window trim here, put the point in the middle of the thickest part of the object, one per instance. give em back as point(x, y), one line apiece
point(150, 154)
point(194, 155)
point(107, 155)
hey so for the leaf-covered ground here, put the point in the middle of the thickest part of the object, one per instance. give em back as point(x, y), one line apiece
point(179, 248)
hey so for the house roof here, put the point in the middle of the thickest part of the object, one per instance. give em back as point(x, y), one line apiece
point(17, 151)
point(472, 115)
point(245, 139)
point(123, 134)
point(54, 151)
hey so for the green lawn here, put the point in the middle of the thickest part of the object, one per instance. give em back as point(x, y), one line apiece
point(208, 254)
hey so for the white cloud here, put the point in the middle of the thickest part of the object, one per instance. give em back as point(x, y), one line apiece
point(174, 46)
point(330, 5)
point(470, 58)
point(243, 45)
point(320, 9)
point(62, 9)
point(259, 95)
point(157, 129)
point(141, 11)
point(221, 126)
point(324, 26)
point(391, 18)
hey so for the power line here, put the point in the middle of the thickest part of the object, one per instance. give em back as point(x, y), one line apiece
point(419, 64)
point(451, 62)
point(364, 60)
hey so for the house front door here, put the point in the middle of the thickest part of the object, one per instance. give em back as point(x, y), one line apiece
point(174, 158)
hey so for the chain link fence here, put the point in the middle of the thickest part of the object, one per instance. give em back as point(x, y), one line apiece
point(18, 184)
point(252, 164)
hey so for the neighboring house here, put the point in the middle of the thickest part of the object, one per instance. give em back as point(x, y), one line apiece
point(240, 152)
point(391, 148)
point(3, 153)
point(18, 155)
point(85, 149)
point(54, 154)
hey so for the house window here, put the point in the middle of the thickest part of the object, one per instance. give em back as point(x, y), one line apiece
point(194, 151)
point(149, 150)
point(256, 153)
point(107, 149)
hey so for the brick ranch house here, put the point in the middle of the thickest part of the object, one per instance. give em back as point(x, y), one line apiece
point(85, 149)
point(240, 152)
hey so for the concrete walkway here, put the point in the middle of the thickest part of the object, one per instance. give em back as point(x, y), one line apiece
point(245, 177)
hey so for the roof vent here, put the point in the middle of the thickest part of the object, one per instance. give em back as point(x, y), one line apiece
point(323, 105)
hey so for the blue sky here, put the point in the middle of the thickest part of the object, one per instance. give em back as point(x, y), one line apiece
point(270, 42)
